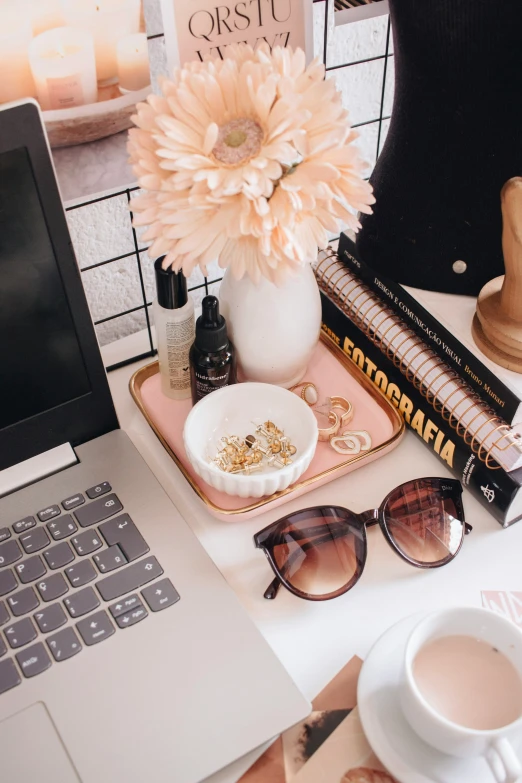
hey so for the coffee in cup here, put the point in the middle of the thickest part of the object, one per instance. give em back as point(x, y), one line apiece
point(461, 690)
point(469, 681)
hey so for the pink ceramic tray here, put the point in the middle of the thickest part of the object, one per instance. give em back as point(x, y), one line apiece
point(334, 374)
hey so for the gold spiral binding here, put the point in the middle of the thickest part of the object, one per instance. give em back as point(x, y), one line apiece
point(466, 431)
point(428, 390)
point(356, 316)
point(334, 267)
point(487, 451)
point(410, 372)
point(345, 296)
point(393, 325)
point(438, 401)
point(374, 337)
point(419, 382)
point(445, 403)
point(404, 369)
point(341, 278)
point(461, 427)
point(475, 436)
point(370, 320)
point(395, 351)
point(489, 457)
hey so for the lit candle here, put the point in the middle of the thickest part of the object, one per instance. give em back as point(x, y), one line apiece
point(15, 36)
point(46, 15)
point(64, 68)
point(133, 62)
point(108, 21)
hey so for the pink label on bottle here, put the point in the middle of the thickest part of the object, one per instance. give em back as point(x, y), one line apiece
point(65, 91)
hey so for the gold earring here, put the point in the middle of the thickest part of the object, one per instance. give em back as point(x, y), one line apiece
point(326, 433)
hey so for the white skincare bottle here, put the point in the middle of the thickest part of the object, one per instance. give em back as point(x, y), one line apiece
point(174, 322)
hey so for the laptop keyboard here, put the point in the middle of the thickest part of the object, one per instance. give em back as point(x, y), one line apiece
point(67, 562)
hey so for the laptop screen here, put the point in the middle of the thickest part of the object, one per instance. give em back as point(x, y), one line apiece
point(41, 362)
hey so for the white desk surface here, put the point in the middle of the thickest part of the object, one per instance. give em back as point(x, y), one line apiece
point(314, 640)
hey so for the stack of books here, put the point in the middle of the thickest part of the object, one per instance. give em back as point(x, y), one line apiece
point(452, 401)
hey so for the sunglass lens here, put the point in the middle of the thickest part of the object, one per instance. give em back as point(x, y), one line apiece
point(425, 521)
point(320, 552)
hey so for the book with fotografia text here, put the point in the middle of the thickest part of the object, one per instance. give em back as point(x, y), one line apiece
point(503, 399)
point(475, 443)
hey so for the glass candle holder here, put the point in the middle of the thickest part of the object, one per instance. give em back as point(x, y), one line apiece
point(108, 21)
point(133, 62)
point(64, 68)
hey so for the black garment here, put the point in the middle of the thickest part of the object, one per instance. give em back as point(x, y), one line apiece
point(455, 137)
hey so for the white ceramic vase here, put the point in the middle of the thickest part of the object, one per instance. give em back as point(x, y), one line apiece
point(273, 328)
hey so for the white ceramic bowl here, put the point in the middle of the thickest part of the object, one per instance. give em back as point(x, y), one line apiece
point(236, 410)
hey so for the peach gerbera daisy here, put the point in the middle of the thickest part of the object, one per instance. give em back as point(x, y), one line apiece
point(249, 160)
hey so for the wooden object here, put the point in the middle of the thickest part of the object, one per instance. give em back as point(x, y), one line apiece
point(79, 124)
point(497, 325)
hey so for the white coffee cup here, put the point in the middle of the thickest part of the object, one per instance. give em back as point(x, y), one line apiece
point(496, 745)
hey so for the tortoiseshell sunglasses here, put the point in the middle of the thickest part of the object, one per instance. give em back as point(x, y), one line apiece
point(320, 553)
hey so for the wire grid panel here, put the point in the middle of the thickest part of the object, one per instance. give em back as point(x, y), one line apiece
point(358, 56)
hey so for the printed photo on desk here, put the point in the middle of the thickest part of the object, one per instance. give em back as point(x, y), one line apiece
point(328, 747)
point(86, 63)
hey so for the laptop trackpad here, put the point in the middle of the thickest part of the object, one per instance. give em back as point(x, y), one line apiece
point(31, 749)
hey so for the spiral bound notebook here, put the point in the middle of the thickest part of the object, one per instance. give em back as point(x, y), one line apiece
point(490, 437)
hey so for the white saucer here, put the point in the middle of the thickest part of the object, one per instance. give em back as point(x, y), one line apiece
point(399, 749)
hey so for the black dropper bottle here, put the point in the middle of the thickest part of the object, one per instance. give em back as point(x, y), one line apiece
point(212, 356)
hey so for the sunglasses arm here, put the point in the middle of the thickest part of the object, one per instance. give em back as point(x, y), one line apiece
point(272, 589)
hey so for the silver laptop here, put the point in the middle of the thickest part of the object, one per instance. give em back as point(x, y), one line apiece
point(124, 655)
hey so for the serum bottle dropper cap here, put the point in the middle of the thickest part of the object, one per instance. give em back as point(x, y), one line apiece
point(211, 328)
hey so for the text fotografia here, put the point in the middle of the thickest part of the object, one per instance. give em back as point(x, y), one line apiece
point(433, 336)
point(252, 22)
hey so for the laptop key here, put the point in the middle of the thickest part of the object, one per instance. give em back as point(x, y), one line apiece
point(82, 602)
point(98, 490)
point(130, 578)
point(53, 587)
point(30, 569)
point(10, 552)
point(35, 540)
point(123, 531)
point(87, 542)
point(96, 512)
point(3, 649)
point(8, 582)
point(125, 605)
point(5, 533)
point(62, 528)
point(95, 628)
point(4, 614)
point(9, 676)
point(160, 595)
point(64, 644)
point(48, 513)
point(24, 524)
point(23, 601)
point(132, 617)
point(73, 502)
point(110, 559)
point(34, 660)
point(81, 573)
point(20, 633)
point(50, 618)
point(59, 556)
